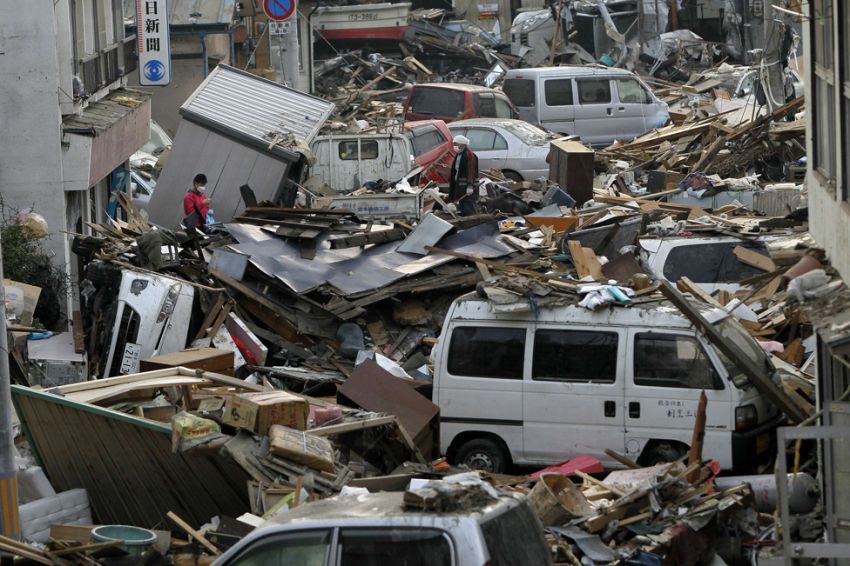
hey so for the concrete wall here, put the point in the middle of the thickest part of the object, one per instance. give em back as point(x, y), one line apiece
point(30, 147)
point(468, 10)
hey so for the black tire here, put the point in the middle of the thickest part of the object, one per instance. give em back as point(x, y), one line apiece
point(661, 454)
point(512, 176)
point(483, 454)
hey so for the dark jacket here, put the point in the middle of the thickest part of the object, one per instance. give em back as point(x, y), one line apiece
point(468, 174)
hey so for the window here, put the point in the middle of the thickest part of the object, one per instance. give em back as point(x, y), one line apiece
point(513, 537)
point(520, 91)
point(503, 108)
point(485, 105)
point(710, 263)
point(487, 352)
point(408, 547)
point(559, 92)
point(845, 90)
point(575, 355)
point(670, 360)
point(823, 86)
point(480, 139)
point(425, 139)
point(500, 142)
point(306, 549)
point(632, 92)
point(437, 101)
point(594, 91)
point(350, 150)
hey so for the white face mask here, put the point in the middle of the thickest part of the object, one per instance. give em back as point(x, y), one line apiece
point(457, 149)
point(202, 189)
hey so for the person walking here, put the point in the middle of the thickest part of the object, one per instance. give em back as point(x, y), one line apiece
point(464, 174)
point(197, 201)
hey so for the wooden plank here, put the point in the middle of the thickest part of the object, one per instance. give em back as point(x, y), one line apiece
point(590, 479)
point(754, 372)
point(583, 262)
point(193, 533)
point(685, 285)
point(79, 334)
point(212, 314)
point(754, 259)
point(631, 464)
point(697, 438)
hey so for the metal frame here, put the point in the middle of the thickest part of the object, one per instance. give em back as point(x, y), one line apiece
point(792, 550)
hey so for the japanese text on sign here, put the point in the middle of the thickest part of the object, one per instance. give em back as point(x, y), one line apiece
point(154, 44)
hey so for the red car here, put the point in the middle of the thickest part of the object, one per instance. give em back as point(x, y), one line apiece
point(432, 149)
point(451, 101)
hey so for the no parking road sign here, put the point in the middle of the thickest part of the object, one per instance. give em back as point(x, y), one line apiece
point(279, 10)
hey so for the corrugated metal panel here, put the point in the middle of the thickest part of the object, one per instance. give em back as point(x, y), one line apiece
point(125, 463)
point(103, 114)
point(255, 108)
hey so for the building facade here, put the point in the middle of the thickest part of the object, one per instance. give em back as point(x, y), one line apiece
point(67, 121)
point(826, 24)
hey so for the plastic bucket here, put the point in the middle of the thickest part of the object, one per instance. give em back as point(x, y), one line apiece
point(136, 539)
point(557, 500)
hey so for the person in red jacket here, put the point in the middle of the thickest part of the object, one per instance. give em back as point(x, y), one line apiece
point(196, 200)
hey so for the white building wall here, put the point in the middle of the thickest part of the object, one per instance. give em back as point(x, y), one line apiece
point(30, 148)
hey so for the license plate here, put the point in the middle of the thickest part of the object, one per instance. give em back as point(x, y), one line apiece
point(130, 360)
point(762, 443)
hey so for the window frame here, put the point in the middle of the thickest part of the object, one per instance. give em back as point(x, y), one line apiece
point(582, 102)
point(553, 80)
point(618, 336)
point(717, 375)
point(823, 77)
point(330, 556)
point(496, 325)
point(647, 99)
point(339, 535)
point(360, 144)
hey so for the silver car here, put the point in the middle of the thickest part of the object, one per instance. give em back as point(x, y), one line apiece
point(377, 529)
point(518, 148)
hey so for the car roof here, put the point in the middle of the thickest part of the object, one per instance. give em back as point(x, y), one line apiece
point(572, 70)
point(457, 86)
point(377, 505)
point(663, 314)
point(420, 123)
point(501, 122)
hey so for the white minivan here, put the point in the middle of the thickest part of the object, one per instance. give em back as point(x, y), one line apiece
point(515, 388)
point(599, 104)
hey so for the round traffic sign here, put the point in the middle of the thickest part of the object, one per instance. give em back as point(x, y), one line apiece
point(279, 10)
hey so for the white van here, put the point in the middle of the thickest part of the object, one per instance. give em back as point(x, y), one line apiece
point(599, 104)
point(514, 388)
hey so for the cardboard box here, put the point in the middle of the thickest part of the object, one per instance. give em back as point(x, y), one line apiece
point(259, 411)
point(313, 451)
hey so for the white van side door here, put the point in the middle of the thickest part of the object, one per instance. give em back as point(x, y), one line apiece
point(557, 105)
point(573, 393)
point(665, 374)
point(595, 119)
point(634, 106)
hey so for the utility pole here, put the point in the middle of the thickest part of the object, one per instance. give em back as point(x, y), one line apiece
point(9, 523)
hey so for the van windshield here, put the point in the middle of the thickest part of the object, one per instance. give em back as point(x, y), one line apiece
point(436, 101)
point(520, 91)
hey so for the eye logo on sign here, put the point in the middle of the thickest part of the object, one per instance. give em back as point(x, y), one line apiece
point(154, 70)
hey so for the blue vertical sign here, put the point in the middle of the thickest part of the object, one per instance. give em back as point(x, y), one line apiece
point(154, 42)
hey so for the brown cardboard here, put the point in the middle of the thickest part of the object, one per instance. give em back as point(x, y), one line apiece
point(207, 359)
point(313, 451)
point(259, 411)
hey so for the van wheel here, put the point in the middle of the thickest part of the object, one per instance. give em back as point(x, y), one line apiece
point(512, 176)
point(661, 454)
point(482, 454)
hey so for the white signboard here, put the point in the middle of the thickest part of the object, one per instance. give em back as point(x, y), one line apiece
point(154, 44)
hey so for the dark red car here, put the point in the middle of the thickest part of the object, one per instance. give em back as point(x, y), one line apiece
point(454, 101)
point(432, 149)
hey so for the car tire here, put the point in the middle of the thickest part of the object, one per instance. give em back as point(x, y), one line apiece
point(661, 454)
point(482, 454)
point(512, 176)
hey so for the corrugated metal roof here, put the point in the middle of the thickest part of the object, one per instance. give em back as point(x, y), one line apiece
point(191, 13)
point(101, 115)
point(254, 108)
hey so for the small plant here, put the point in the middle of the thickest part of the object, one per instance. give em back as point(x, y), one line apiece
point(26, 261)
